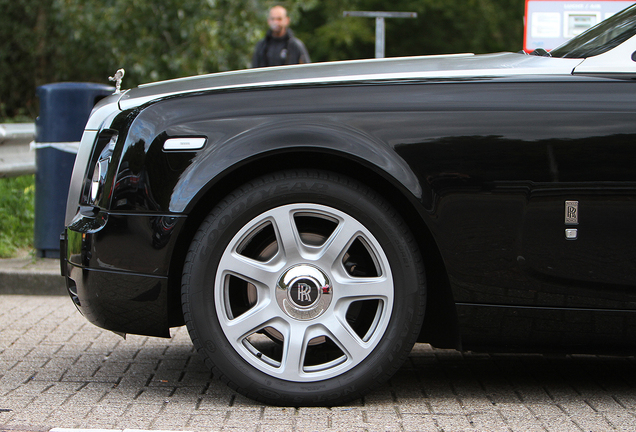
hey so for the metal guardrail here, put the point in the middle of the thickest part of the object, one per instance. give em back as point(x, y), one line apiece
point(16, 156)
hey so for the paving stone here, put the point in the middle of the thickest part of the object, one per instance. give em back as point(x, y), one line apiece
point(57, 370)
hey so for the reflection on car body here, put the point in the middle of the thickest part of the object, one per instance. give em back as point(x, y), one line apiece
point(476, 202)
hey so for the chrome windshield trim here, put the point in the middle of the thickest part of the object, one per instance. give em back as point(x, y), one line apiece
point(618, 60)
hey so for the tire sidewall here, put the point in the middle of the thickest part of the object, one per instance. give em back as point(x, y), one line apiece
point(240, 208)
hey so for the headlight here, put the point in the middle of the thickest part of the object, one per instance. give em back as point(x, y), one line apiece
point(96, 174)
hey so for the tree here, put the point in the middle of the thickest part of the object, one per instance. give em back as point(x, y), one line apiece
point(20, 46)
point(46, 41)
point(442, 27)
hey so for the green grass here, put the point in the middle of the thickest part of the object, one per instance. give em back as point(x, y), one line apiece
point(17, 196)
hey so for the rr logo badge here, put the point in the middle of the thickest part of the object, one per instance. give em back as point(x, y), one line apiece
point(571, 212)
point(304, 292)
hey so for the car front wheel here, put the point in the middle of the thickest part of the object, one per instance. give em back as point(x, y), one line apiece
point(303, 288)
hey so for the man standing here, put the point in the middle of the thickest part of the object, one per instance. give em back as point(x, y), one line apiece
point(279, 47)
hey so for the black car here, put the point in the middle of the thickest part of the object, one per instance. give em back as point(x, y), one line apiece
point(310, 223)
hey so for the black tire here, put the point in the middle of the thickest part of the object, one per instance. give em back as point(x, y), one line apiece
point(303, 288)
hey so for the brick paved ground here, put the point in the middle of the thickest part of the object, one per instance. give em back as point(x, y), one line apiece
point(57, 370)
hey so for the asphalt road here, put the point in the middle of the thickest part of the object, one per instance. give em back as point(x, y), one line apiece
point(59, 371)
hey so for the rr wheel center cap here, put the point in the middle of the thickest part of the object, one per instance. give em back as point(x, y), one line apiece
point(304, 292)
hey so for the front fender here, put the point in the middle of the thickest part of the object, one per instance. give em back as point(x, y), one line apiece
point(358, 123)
point(290, 135)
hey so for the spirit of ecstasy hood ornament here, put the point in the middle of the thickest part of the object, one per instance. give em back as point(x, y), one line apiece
point(119, 75)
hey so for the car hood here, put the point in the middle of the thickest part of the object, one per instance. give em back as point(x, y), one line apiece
point(454, 66)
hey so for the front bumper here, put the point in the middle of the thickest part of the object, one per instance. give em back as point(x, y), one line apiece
point(116, 270)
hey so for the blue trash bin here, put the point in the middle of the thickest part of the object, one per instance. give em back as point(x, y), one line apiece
point(64, 111)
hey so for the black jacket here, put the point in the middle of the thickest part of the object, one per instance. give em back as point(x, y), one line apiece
point(272, 51)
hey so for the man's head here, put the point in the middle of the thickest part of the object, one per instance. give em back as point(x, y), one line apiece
point(278, 21)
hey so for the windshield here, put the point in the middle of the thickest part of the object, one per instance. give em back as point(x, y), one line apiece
point(601, 38)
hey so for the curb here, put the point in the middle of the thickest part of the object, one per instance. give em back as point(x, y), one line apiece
point(28, 276)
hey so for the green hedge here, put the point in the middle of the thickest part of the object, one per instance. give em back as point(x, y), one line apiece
point(16, 214)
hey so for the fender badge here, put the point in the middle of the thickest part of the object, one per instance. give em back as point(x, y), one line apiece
point(571, 212)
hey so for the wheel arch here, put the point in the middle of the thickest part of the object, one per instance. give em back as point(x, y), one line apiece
point(440, 322)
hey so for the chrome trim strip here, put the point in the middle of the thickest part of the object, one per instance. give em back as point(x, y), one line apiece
point(288, 67)
point(357, 71)
point(77, 178)
point(105, 109)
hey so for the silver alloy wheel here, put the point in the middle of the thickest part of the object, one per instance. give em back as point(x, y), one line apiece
point(304, 292)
